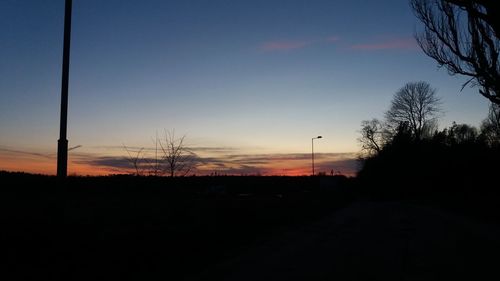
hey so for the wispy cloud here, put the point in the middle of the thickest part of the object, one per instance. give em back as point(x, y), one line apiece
point(105, 161)
point(399, 44)
point(240, 164)
point(197, 149)
point(208, 160)
point(288, 163)
point(5, 150)
point(214, 149)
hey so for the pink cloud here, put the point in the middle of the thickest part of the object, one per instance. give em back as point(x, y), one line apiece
point(283, 45)
point(400, 44)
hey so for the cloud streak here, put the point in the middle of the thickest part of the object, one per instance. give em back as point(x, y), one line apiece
point(5, 150)
point(240, 164)
point(211, 160)
point(105, 161)
point(203, 149)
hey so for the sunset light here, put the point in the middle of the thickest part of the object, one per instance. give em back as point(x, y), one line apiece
point(249, 140)
point(258, 86)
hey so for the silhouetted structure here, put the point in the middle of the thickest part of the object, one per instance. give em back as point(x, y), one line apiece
point(312, 151)
point(62, 143)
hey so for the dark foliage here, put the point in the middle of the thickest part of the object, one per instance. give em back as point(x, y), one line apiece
point(490, 127)
point(455, 167)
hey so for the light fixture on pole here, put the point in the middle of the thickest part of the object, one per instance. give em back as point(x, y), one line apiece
point(312, 154)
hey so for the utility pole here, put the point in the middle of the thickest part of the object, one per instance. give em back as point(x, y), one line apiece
point(62, 143)
point(312, 151)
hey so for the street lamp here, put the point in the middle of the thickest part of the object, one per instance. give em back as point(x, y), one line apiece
point(312, 154)
point(62, 143)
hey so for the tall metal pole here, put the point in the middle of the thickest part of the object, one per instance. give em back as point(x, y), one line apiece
point(62, 143)
point(312, 147)
point(312, 152)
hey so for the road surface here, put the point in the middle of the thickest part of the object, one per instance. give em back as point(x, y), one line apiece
point(372, 241)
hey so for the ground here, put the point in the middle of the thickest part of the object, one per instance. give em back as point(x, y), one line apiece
point(240, 228)
point(373, 241)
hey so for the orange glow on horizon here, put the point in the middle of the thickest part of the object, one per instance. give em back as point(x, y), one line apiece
point(49, 168)
point(265, 165)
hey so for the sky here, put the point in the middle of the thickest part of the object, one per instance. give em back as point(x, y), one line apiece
point(249, 83)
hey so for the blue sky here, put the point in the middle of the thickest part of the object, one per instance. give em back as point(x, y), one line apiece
point(261, 77)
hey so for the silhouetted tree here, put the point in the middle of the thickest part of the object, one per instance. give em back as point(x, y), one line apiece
point(372, 136)
point(134, 157)
point(490, 127)
point(415, 105)
point(403, 136)
point(178, 159)
point(461, 134)
point(154, 163)
point(463, 36)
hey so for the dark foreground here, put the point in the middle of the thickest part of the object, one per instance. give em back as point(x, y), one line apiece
point(148, 228)
point(373, 241)
point(235, 228)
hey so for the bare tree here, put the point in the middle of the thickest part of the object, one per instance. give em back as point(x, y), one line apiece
point(134, 157)
point(463, 36)
point(154, 164)
point(416, 105)
point(371, 139)
point(178, 159)
point(490, 127)
point(169, 156)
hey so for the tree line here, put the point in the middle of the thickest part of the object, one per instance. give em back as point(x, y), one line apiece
point(414, 112)
point(406, 154)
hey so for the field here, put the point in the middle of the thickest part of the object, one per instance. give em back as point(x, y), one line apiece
point(150, 228)
point(242, 228)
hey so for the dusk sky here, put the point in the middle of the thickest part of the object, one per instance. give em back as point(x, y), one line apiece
point(248, 82)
